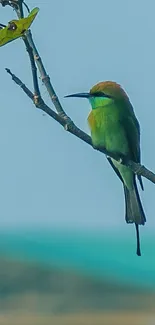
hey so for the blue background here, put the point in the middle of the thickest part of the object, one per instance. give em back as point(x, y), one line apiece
point(48, 178)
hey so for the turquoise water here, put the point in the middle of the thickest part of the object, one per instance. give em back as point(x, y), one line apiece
point(90, 253)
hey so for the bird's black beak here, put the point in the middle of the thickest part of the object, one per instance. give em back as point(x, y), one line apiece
point(80, 95)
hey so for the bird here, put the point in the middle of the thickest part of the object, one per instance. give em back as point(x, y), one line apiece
point(114, 127)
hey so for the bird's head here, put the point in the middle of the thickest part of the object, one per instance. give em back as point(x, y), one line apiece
point(103, 94)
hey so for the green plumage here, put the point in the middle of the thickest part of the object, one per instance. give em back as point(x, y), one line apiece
point(115, 127)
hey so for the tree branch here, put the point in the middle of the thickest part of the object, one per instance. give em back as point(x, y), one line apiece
point(20, 83)
point(73, 129)
point(45, 77)
point(33, 68)
point(61, 117)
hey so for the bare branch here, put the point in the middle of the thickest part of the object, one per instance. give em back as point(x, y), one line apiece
point(20, 83)
point(20, 8)
point(72, 128)
point(26, 6)
point(45, 77)
point(20, 14)
point(61, 117)
point(33, 68)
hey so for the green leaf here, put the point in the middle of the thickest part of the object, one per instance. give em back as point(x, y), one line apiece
point(17, 28)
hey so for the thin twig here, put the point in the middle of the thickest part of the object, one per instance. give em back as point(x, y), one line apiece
point(45, 77)
point(72, 128)
point(33, 68)
point(29, 49)
point(34, 56)
point(21, 12)
point(21, 84)
point(26, 6)
point(62, 117)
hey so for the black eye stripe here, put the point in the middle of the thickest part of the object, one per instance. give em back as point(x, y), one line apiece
point(101, 94)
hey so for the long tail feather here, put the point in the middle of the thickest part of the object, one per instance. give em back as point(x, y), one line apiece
point(133, 200)
point(138, 240)
point(134, 211)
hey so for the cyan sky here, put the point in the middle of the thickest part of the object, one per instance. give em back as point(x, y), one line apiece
point(47, 176)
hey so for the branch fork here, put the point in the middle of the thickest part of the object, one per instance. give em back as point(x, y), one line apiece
point(59, 115)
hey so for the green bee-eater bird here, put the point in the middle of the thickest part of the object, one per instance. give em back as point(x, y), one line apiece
point(115, 127)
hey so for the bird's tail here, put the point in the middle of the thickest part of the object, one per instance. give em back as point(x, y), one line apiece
point(134, 210)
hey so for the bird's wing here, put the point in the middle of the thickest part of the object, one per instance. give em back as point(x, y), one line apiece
point(115, 169)
point(132, 130)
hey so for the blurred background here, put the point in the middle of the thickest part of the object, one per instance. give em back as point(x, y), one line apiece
point(66, 254)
